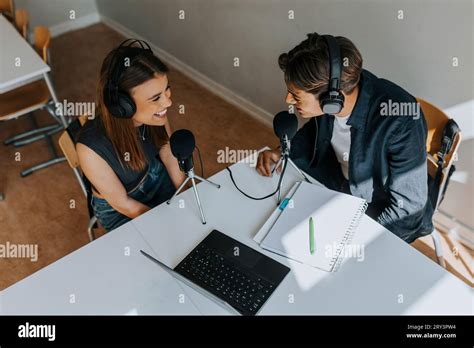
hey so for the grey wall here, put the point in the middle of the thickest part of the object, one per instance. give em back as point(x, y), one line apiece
point(53, 12)
point(415, 52)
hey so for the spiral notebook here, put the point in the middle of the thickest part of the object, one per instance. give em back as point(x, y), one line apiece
point(335, 217)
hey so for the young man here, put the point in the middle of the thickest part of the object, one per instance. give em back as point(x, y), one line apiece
point(372, 146)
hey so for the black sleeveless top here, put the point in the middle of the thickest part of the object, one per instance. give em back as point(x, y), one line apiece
point(92, 134)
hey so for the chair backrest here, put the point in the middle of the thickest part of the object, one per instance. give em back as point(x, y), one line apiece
point(42, 41)
point(436, 121)
point(21, 22)
point(6, 7)
point(68, 146)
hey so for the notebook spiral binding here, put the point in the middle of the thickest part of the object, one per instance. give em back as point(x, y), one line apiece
point(337, 258)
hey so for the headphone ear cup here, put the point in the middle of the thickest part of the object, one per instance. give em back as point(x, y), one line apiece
point(331, 104)
point(124, 108)
point(126, 105)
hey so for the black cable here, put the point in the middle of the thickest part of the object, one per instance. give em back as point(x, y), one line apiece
point(260, 198)
point(200, 161)
point(285, 163)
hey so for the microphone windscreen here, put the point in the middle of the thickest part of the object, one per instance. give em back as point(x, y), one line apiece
point(182, 144)
point(285, 123)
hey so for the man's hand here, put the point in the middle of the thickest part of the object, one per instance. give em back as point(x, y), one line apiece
point(266, 159)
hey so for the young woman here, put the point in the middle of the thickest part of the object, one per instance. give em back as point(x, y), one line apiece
point(124, 152)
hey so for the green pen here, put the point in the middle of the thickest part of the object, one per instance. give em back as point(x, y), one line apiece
point(311, 236)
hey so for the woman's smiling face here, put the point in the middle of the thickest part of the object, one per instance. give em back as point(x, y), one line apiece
point(152, 99)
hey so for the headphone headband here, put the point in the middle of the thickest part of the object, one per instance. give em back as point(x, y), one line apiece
point(332, 101)
point(116, 64)
point(119, 103)
point(334, 63)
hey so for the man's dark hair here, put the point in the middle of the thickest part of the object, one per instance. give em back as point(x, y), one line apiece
point(307, 65)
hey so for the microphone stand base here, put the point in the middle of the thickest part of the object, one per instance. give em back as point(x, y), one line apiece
point(286, 158)
point(193, 177)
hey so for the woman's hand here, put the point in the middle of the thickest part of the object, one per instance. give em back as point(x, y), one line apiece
point(171, 164)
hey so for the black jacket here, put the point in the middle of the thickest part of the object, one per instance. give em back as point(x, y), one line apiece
point(387, 159)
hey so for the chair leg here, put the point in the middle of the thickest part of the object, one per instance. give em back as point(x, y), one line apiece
point(46, 164)
point(29, 133)
point(438, 248)
point(49, 130)
point(90, 228)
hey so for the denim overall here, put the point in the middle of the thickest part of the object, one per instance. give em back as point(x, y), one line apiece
point(155, 188)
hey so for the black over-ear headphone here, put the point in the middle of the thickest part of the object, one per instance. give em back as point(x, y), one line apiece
point(118, 102)
point(332, 101)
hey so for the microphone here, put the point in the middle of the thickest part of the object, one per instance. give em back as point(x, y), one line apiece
point(285, 125)
point(182, 145)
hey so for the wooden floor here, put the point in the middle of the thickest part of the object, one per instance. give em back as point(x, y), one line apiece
point(37, 209)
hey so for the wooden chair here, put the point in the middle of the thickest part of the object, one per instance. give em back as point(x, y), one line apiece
point(42, 42)
point(22, 22)
point(25, 100)
point(32, 96)
point(7, 8)
point(68, 147)
point(436, 121)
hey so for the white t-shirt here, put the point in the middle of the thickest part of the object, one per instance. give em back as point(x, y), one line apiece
point(341, 142)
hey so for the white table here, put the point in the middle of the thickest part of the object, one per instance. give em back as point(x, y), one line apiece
point(108, 276)
point(394, 278)
point(391, 267)
point(14, 48)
